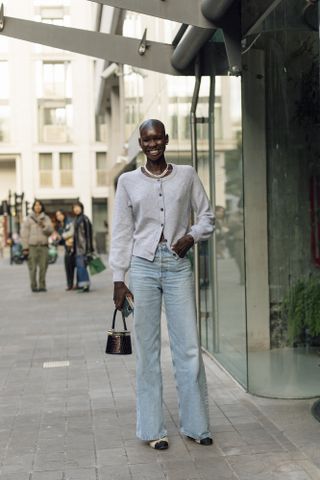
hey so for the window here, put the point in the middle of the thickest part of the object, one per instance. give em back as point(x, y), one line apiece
point(53, 79)
point(101, 169)
point(55, 120)
point(66, 169)
point(45, 170)
point(54, 104)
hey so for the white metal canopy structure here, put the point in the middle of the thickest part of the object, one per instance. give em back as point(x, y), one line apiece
point(199, 18)
point(174, 59)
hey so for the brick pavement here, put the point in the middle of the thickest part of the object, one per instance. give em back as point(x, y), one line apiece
point(77, 422)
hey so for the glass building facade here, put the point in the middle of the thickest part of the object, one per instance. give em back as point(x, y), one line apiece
point(282, 70)
point(258, 156)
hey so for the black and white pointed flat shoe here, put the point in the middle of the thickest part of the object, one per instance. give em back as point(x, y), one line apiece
point(160, 444)
point(204, 441)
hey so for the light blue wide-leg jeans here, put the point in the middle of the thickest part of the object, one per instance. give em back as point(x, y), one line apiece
point(171, 278)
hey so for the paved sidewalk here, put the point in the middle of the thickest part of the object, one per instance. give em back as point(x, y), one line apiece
point(77, 422)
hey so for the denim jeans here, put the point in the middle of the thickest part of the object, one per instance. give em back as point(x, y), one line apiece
point(169, 277)
point(83, 279)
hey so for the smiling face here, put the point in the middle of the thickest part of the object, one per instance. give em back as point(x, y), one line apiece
point(153, 140)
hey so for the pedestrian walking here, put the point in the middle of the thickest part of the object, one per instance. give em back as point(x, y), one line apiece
point(65, 230)
point(35, 232)
point(151, 235)
point(82, 245)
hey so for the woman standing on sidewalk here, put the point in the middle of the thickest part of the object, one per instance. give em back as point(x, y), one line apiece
point(82, 245)
point(151, 236)
point(65, 231)
point(35, 232)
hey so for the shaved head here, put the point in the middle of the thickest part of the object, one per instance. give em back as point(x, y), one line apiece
point(152, 122)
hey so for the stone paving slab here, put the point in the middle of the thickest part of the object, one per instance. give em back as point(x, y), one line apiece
point(77, 422)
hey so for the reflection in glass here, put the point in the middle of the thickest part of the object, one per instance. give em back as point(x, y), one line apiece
point(289, 366)
point(230, 341)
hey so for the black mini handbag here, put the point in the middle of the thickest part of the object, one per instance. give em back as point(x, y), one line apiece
point(118, 341)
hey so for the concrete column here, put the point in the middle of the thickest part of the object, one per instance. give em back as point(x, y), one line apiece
point(255, 203)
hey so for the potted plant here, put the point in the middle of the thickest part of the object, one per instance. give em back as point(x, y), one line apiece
point(301, 309)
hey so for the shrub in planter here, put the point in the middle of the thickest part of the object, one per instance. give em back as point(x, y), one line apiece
point(301, 309)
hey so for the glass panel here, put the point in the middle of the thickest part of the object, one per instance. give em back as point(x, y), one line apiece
point(55, 122)
point(55, 79)
point(66, 170)
point(101, 128)
point(101, 161)
point(230, 337)
point(101, 168)
point(205, 264)
point(289, 367)
point(45, 161)
point(66, 161)
point(45, 170)
point(66, 178)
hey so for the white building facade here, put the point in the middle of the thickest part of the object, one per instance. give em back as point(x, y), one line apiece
point(49, 147)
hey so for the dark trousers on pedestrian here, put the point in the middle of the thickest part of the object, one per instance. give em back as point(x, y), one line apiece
point(38, 259)
point(69, 265)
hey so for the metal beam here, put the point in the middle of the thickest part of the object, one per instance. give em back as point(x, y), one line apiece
point(185, 11)
point(115, 48)
point(189, 46)
point(195, 38)
point(231, 28)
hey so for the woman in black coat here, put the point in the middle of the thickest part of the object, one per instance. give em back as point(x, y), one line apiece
point(82, 245)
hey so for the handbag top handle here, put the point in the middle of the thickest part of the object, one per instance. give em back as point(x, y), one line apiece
point(114, 319)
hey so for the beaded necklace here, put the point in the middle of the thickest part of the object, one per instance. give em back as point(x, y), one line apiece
point(153, 175)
